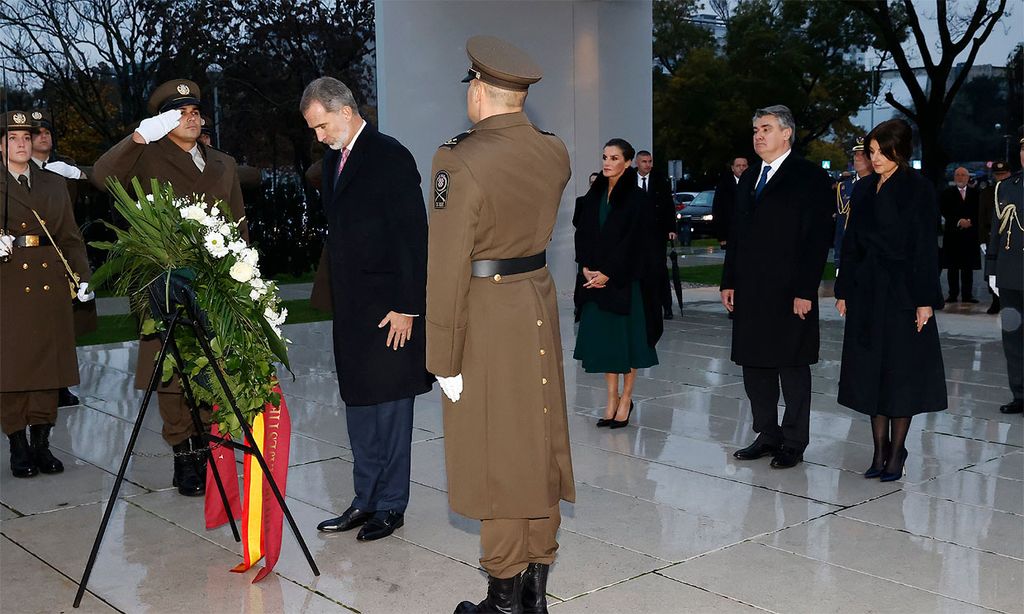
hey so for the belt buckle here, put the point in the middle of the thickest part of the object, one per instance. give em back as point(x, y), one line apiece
point(27, 241)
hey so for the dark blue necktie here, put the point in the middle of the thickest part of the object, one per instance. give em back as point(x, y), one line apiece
point(762, 181)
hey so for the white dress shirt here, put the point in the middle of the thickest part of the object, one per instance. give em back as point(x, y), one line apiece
point(775, 164)
point(197, 158)
point(640, 181)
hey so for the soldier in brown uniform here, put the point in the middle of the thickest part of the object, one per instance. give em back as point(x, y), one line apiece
point(44, 155)
point(37, 336)
point(166, 147)
point(492, 327)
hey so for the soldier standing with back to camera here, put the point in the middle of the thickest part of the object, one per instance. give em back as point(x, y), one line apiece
point(1004, 266)
point(492, 327)
point(39, 243)
point(165, 147)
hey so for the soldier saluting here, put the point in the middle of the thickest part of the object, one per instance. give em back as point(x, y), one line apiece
point(1004, 266)
point(492, 327)
point(165, 147)
point(42, 258)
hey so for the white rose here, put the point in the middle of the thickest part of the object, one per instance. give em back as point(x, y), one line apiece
point(256, 293)
point(225, 229)
point(210, 221)
point(215, 245)
point(240, 271)
point(236, 247)
point(193, 212)
point(250, 256)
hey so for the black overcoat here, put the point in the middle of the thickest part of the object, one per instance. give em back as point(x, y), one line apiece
point(723, 205)
point(890, 268)
point(377, 254)
point(622, 249)
point(960, 246)
point(778, 245)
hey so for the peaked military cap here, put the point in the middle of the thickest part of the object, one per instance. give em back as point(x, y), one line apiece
point(858, 144)
point(174, 94)
point(41, 118)
point(501, 64)
point(206, 125)
point(1000, 167)
point(18, 120)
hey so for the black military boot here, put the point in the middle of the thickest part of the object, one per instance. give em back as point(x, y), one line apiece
point(535, 588)
point(66, 398)
point(186, 478)
point(202, 454)
point(504, 596)
point(44, 460)
point(21, 456)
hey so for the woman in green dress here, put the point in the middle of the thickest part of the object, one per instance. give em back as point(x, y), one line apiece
point(616, 291)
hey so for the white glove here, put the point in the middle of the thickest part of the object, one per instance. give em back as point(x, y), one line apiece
point(64, 169)
point(83, 292)
point(451, 386)
point(992, 284)
point(6, 245)
point(156, 127)
point(984, 249)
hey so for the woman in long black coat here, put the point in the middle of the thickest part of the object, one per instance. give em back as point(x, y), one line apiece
point(617, 295)
point(888, 289)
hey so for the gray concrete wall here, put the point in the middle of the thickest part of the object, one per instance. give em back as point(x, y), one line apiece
point(596, 57)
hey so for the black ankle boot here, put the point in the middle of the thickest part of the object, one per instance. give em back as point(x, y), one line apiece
point(202, 454)
point(44, 460)
point(504, 596)
point(21, 456)
point(186, 477)
point(535, 588)
point(66, 398)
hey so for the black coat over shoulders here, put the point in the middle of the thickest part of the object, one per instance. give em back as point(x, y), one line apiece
point(776, 253)
point(377, 255)
point(890, 268)
point(622, 249)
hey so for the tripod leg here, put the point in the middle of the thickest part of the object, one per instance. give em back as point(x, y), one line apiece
point(124, 460)
point(255, 448)
point(197, 423)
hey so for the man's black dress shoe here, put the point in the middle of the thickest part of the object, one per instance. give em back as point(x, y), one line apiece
point(381, 525)
point(970, 299)
point(755, 451)
point(351, 519)
point(668, 314)
point(66, 398)
point(1013, 407)
point(951, 299)
point(786, 458)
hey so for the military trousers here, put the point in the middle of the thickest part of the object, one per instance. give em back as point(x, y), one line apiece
point(177, 417)
point(1013, 338)
point(510, 544)
point(20, 409)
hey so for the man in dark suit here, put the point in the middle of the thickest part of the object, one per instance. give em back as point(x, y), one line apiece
point(664, 219)
point(960, 253)
point(377, 258)
point(777, 250)
point(725, 199)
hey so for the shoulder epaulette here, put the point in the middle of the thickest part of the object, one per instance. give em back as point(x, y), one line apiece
point(544, 131)
point(455, 140)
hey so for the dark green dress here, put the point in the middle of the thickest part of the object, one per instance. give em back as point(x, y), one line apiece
point(609, 342)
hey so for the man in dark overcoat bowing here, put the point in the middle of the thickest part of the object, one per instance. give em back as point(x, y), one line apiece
point(960, 253)
point(778, 245)
point(377, 259)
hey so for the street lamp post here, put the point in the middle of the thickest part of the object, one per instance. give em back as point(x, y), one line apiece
point(214, 72)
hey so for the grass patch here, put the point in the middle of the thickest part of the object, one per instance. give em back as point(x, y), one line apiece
point(711, 274)
point(288, 278)
point(118, 328)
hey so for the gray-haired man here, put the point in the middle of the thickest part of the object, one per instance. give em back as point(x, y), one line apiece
point(778, 245)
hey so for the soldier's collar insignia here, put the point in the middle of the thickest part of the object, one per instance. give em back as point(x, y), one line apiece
point(182, 89)
point(455, 140)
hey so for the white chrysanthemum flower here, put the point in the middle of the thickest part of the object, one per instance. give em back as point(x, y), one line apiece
point(215, 245)
point(240, 271)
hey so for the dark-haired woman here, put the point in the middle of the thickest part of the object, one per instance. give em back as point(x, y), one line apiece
point(615, 291)
point(887, 290)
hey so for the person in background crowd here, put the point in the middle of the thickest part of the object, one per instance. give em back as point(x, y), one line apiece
point(986, 207)
point(960, 254)
point(659, 194)
point(725, 199)
point(844, 192)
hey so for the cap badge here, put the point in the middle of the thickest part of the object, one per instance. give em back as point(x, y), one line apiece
point(183, 89)
point(36, 115)
point(19, 118)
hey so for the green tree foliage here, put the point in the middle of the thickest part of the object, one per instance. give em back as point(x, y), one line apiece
point(789, 52)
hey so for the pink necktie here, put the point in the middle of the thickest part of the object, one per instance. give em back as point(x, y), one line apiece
point(344, 156)
point(963, 192)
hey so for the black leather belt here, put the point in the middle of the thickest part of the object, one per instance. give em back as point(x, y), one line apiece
point(509, 266)
point(31, 241)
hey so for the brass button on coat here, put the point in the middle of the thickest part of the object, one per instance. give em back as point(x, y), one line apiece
point(27, 289)
point(545, 410)
point(540, 322)
point(542, 352)
point(24, 266)
point(45, 265)
point(544, 380)
point(497, 277)
point(46, 286)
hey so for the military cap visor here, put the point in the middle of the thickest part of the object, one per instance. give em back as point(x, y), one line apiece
point(501, 64)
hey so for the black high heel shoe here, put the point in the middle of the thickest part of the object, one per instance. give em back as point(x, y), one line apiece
point(892, 476)
point(618, 424)
point(603, 422)
point(873, 472)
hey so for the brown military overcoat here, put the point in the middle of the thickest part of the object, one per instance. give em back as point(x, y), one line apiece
point(37, 335)
point(165, 161)
point(495, 195)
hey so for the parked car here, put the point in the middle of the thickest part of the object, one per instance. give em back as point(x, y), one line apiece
point(694, 216)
